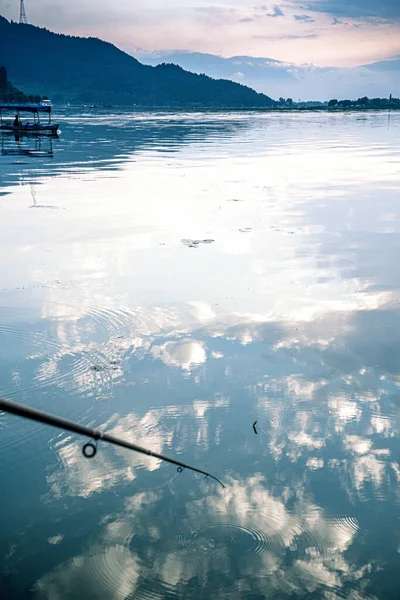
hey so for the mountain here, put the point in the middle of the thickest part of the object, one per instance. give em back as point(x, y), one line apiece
point(385, 66)
point(10, 94)
point(257, 69)
point(88, 70)
point(287, 79)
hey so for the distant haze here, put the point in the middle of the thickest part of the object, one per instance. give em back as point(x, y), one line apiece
point(344, 33)
point(300, 82)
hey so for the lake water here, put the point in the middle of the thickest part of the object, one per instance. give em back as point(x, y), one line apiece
point(171, 279)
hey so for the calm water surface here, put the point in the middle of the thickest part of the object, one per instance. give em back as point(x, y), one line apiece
point(172, 278)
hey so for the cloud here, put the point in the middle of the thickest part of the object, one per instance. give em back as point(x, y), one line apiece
point(357, 9)
point(217, 15)
point(249, 512)
point(79, 478)
point(308, 36)
point(276, 12)
point(304, 18)
point(185, 354)
point(226, 28)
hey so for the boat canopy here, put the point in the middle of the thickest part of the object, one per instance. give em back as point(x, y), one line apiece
point(32, 108)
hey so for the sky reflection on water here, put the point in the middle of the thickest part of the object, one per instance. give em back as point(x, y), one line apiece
point(172, 282)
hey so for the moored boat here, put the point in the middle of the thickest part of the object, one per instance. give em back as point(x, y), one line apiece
point(17, 127)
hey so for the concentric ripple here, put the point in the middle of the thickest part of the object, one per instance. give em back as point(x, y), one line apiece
point(222, 538)
point(12, 333)
point(83, 353)
point(116, 322)
point(328, 536)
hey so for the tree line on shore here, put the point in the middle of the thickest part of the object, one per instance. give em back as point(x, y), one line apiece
point(365, 102)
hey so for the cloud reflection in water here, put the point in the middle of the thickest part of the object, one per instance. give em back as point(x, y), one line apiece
point(287, 318)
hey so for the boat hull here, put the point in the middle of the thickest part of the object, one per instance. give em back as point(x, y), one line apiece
point(30, 129)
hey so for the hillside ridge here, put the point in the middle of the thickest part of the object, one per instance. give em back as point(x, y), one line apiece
point(90, 70)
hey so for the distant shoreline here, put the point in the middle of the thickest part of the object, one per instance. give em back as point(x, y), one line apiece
point(234, 109)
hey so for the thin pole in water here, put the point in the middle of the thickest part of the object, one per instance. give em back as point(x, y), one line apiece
point(89, 450)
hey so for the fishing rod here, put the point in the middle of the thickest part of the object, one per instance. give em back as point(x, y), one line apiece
point(89, 449)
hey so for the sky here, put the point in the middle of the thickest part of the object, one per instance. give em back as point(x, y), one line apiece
point(323, 32)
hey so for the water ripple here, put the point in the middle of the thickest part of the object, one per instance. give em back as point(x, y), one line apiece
point(224, 537)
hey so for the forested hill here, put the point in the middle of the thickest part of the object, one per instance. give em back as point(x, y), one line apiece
point(10, 94)
point(88, 70)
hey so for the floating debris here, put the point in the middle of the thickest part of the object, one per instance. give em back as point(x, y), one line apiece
point(113, 365)
point(196, 243)
point(56, 539)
